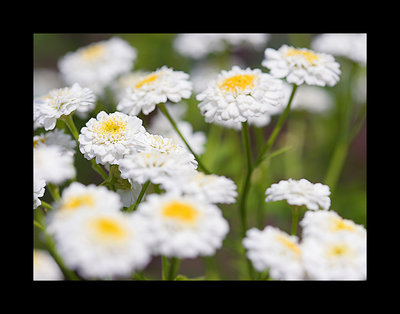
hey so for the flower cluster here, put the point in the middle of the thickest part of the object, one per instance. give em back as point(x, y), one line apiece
point(331, 248)
point(156, 197)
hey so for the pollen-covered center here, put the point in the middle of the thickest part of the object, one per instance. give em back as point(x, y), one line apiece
point(309, 56)
point(93, 52)
point(107, 228)
point(181, 211)
point(238, 82)
point(148, 79)
point(338, 250)
point(74, 202)
point(111, 130)
point(340, 224)
point(289, 244)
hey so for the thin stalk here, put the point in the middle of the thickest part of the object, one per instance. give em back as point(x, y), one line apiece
point(134, 206)
point(277, 128)
point(245, 189)
point(173, 268)
point(171, 120)
point(164, 267)
point(295, 219)
point(246, 184)
point(54, 191)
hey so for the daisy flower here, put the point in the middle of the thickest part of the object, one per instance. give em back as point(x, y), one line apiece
point(154, 165)
point(61, 102)
point(328, 223)
point(238, 95)
point(300, 192)
point(44, 266)
point(101, 244)
point(210, 187)
point(56, 138)
point(52, 164)
point(153, 88)
point(301, 65)
point(98, 64)
point(339, 257)
point(183, 226)
point(109, 137)
point(274, 250)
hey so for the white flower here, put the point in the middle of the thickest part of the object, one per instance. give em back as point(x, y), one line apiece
point(52, 164)
point(238, 95)
point(183, 226)
point(44, 266)
point(61, 102)
point(153, 88)
point(98, 64)
point(154, 165)
point(56, 138)
point(168, 146)
point(38, 190)
point(300, 192)
point(275, 250)
point(109, 137)
point(327, 224)
point(210, 187)
point(103, 244)
point(200, 45)
point(352, 46)
point(339, 257)
point(301, 65)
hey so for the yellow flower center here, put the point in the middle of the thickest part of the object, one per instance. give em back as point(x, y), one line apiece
point(40, 140)
point(109, 228)
point(148, 79)
point(238, 82)
point(289, 244)
point(93, 52)
point(75, 202)
point(338, 250)
point(111, 129)
point(181, 211)
point(309, 56)
point(340, 224)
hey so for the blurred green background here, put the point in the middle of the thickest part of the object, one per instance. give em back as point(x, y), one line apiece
point(312, 138)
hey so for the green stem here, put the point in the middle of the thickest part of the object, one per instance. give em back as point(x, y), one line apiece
point(71, 126)
point(173, 268)
point(246, 184)
point(164, 267)
point(171, 120)
point(245, 189)
point(54, 191)
point(295, 219)
point(277, 128)
point(134, 206)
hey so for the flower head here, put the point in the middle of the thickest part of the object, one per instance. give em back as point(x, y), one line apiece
point(52, 164)
point(61, 102)
point(183, 226)
point(150, 89)
point(98, 64)
point(275, 250)
point(301, 65)
point(210, 187)
point(339, 257)
point(109, 137)
point(300, 192)
point(103, 244)
point(238, 95)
